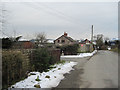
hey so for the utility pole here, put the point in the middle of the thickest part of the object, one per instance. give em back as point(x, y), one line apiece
point(92, 34)
point(3, 20)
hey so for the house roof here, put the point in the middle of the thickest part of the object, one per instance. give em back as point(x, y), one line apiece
point(84, 42)
point(69, 38)
point(22, 39)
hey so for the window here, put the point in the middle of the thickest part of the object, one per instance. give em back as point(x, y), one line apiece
point(58, 41)
point(63, 41)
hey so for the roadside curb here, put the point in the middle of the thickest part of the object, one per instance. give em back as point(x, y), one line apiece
point(92, 55)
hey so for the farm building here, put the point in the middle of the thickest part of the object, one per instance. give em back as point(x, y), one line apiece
point(86, 46)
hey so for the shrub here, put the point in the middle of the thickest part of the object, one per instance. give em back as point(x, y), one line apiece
point(47, 76)
point(104, 47)
point(69, 49)
point(37, 86)
point(61, 62)
point(41, 60)
point(37, 79)
point(6, 43)
point(52, 60)
point(59, 68)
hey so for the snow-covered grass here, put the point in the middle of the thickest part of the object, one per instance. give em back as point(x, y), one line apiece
point(80, 55)
point(47, 79)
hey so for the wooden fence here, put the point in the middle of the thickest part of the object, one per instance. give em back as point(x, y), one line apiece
point(13, 70)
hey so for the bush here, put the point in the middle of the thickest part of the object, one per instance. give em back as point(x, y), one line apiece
point(37, 86)
point(104, 47)
point(47, 76)
point(69, 49)
point(116, 50)
point(37, 79)
point(6, 43)
point(41, 60)
point(61, 62)
point(52, 60)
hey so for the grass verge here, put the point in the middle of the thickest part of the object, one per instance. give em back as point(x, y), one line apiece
point(115, 50)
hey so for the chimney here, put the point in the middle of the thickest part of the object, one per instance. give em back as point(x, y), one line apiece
point(65, 34)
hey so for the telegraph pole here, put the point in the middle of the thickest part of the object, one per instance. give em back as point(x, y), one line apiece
point(92, 34)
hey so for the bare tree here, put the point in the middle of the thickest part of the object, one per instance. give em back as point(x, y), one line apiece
point(40, 38)
point(99, 40)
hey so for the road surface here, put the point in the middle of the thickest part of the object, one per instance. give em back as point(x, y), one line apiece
point(99, 71)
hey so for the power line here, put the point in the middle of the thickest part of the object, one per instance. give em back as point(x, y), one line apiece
point(58, 14)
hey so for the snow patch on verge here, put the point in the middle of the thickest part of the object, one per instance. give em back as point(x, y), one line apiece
point(80, 55)
point(55, 74)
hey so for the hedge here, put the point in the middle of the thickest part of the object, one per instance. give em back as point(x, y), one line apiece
point(14, 67)
point(41, 60)
point(69, 49)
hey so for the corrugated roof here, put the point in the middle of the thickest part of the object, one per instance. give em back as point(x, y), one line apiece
point(83, 42)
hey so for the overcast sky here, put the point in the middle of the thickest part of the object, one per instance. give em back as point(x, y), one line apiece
point(55, 18)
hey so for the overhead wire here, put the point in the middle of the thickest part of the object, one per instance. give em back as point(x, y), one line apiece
point(57, 11)
point(57, 14)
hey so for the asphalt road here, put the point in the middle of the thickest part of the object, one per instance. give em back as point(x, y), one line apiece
point(99, 71)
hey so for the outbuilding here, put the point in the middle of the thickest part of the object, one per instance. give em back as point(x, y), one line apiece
point(86, 46)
